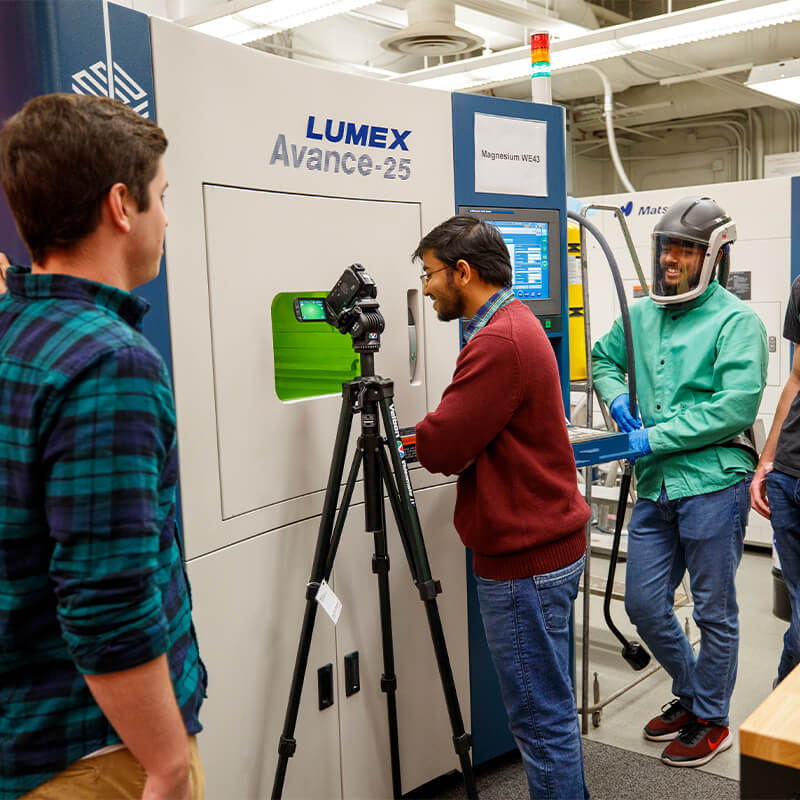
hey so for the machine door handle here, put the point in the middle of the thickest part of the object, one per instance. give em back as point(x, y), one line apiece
point(352, 681)
point(413, 339)
point(325, 686)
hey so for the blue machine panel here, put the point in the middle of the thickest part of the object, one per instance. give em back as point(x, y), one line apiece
point(795, 227)
point(495, 207)
point(489, 724)
point(50, 46)
point(534, 229)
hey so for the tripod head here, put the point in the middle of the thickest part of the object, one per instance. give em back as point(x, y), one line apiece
point(350, 307)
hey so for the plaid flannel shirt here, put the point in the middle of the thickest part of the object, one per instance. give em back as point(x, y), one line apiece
point(486, 311)
point(92, 576)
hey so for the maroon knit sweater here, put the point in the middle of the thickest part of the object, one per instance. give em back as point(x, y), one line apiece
point(518, 506)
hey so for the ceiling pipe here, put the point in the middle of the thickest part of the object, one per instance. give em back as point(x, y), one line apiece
point(789, 129)
point(608, 113)
point(796, 115)
point(758, 144)
point(730, 125)
point(733, 120)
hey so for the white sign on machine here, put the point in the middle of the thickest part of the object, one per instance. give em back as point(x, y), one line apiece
point(510, 155)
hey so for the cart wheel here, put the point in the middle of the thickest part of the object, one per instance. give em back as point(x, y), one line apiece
point(596, 719)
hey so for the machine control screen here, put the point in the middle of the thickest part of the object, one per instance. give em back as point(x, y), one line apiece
point(535, 243)
point(528, 248)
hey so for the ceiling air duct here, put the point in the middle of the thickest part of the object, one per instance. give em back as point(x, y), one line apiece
point(432, 31)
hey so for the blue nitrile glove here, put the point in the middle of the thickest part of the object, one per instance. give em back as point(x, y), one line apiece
point(621, 413)
point(639, 440)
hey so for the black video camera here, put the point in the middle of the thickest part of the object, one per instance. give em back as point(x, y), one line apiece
point(350, 307)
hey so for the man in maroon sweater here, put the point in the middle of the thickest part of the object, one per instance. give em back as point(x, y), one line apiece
point(500, 425)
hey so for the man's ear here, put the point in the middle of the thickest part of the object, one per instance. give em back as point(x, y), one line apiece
point(118, 203)
point(463, 272)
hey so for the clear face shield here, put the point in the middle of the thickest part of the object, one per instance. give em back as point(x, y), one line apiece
point(677, 267)
point(683, 268)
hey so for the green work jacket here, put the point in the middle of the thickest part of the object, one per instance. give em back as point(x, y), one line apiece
point(700, 372)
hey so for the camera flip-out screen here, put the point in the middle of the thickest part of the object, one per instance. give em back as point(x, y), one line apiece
point(310, 309)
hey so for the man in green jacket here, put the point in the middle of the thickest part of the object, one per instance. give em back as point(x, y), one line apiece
point(701, 366)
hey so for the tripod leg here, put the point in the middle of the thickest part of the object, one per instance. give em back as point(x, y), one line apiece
point(375, 523)
point(394, 501)
point(340, 519)
point(409, 527)
point(287, 743)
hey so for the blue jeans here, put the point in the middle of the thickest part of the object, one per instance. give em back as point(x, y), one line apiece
point(783, 493)
point(527, 628)
point(703, 534)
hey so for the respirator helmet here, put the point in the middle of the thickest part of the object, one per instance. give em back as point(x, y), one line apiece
point(691, 245)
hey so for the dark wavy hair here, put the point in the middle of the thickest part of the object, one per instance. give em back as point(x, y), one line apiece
point(479, 243)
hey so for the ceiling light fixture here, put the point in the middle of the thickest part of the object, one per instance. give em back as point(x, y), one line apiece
point(239, 22)
point(779, 80)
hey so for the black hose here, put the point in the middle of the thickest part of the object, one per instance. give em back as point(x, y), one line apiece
point(632, 651)
point(623, 302)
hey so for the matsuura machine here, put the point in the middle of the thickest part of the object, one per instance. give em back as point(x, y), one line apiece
point(281, 175)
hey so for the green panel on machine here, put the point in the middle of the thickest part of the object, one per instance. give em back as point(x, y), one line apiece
point(310, 359)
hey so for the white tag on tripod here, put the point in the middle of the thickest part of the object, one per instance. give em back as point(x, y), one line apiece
point(330, 603)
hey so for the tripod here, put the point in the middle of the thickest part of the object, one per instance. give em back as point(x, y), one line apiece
point(371, 395)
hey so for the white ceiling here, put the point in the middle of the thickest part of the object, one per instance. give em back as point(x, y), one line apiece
point(352, 42)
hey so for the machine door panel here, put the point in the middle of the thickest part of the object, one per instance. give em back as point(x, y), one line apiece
point(249, 601)
point(261, 244)
point(425, 736)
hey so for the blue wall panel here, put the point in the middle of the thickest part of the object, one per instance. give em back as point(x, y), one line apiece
point(795, 228)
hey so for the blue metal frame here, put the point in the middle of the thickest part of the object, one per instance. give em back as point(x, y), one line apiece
point(795, 228)
point(602, 450)
point(67, 38)
point(794, 239)
point(489, 723)
point(465, 106)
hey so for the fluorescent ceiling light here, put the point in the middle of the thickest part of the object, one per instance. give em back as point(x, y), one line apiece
point(780, 80)
point(223, 27)
point(654, 33)
point(238, 22)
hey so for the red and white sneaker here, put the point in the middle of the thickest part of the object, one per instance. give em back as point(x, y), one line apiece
point(668, 724)
point(697, 744)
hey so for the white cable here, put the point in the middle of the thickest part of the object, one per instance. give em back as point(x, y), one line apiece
point(608, 113)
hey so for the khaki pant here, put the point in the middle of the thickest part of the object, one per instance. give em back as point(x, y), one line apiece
point(115, 776)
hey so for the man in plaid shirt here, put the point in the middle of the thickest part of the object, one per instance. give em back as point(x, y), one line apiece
point(100, 677)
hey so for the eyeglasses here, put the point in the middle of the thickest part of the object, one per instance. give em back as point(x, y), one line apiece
point(426, 276)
